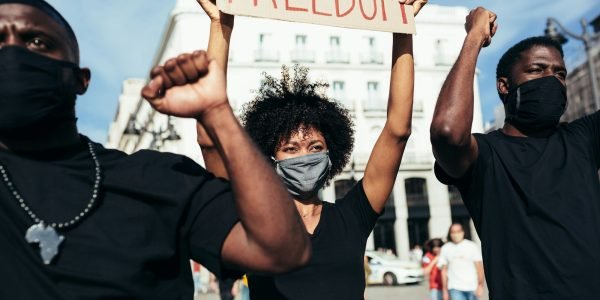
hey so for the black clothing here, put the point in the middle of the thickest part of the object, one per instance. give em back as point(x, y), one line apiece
point(336, 268)
point(535, 203)
point(155, 212)
point(225, 287)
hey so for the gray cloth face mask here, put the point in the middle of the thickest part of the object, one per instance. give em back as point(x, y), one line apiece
point(304, 175)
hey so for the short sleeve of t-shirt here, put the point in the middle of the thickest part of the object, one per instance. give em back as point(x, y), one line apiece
point(443, 260)
point(425, 261)
point(478, 167)
point(356, 200)
point(210, 216)
point(589, 128)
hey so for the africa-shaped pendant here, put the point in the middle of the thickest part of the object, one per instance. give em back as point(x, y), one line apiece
point(47, 238)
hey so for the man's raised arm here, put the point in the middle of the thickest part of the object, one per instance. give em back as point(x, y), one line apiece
point(270, 236)
point(454, 148)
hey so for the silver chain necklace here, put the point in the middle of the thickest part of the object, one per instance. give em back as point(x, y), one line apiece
point(42, 232)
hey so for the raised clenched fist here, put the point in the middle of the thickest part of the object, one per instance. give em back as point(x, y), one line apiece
point(187, 86)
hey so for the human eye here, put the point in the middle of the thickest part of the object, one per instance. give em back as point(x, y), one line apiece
point(288, 149)
point(38, 43)
point(317, 148)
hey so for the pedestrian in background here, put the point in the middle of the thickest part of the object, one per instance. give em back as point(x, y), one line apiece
point(416, 253)
point(430, 268)
point(461, 266)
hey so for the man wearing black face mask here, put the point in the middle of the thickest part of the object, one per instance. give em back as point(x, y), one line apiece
point(531, 187)
point(78, 221)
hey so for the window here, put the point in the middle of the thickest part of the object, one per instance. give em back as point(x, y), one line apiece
point(374, 100)
point(371, 42)
point(342, 187)
point(418, 231)
point(418, 210)
point(416, 192)
point(373, 90)
point(300, 41)
point(384, 236)
point(334, 42)
point(338, 89)
point(335, 54)
point(301, 54)
point(454, 195)
point(372, 55)
point(264, 52)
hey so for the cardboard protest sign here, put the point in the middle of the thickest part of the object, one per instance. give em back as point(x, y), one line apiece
point(379, 15)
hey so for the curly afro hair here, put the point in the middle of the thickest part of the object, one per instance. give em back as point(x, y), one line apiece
point(285, 106)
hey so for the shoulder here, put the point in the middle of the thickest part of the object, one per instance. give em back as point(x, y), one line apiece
point(471, 245)
point(151, 160)
point(584, 126)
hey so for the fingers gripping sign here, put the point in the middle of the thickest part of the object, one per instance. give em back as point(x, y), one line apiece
point(481, 23)
point(187, 86)
point(417, 4)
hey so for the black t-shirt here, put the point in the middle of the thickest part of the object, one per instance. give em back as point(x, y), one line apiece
point(535, 203)
point(336, 268)
point(156, 211)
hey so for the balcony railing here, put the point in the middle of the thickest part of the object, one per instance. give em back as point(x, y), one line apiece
point(337, 57)
point(415, 158)
point(375, 104)
point(443, 59)
point(303, 56)
point(372, 57)
point(266, 55)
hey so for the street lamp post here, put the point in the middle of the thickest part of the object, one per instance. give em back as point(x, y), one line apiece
point(587, 39)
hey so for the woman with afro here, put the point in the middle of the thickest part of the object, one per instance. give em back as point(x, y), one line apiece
point(309, 139)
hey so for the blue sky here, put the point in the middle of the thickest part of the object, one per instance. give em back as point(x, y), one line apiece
point(118, 40)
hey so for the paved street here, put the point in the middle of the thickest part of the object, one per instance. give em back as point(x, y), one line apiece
point(412, 292)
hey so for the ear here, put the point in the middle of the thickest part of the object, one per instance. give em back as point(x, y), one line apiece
point(83, 78)
point(503, 86)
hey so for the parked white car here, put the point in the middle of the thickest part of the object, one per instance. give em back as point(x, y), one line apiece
point(387, 269)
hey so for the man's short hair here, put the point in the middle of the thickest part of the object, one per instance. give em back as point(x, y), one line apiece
point(512, 55)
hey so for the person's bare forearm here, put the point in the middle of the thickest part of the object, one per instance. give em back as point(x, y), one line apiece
point(218, 42)
point(453, 114)
point(212, 159)
point(445, 278)
point(218, 49)
point(265, 208)
point(384, 162)
point(480, 273)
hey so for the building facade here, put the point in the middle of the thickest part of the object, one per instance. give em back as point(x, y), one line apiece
point(579, 92)
point(356, 64)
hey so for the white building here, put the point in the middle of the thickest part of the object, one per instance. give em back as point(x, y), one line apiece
point(357, 64)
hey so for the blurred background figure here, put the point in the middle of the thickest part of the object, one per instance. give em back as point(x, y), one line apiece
point(227, 289)
point(461, 266)
point(244, 290)
point(430, 260)
point(416, 253)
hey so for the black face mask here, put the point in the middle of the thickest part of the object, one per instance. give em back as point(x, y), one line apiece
point(535, 107)
point(34, 87)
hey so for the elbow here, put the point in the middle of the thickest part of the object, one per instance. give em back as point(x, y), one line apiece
point(292, 257)
point(404, 135)
point(445, 134)
point(401, 133)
